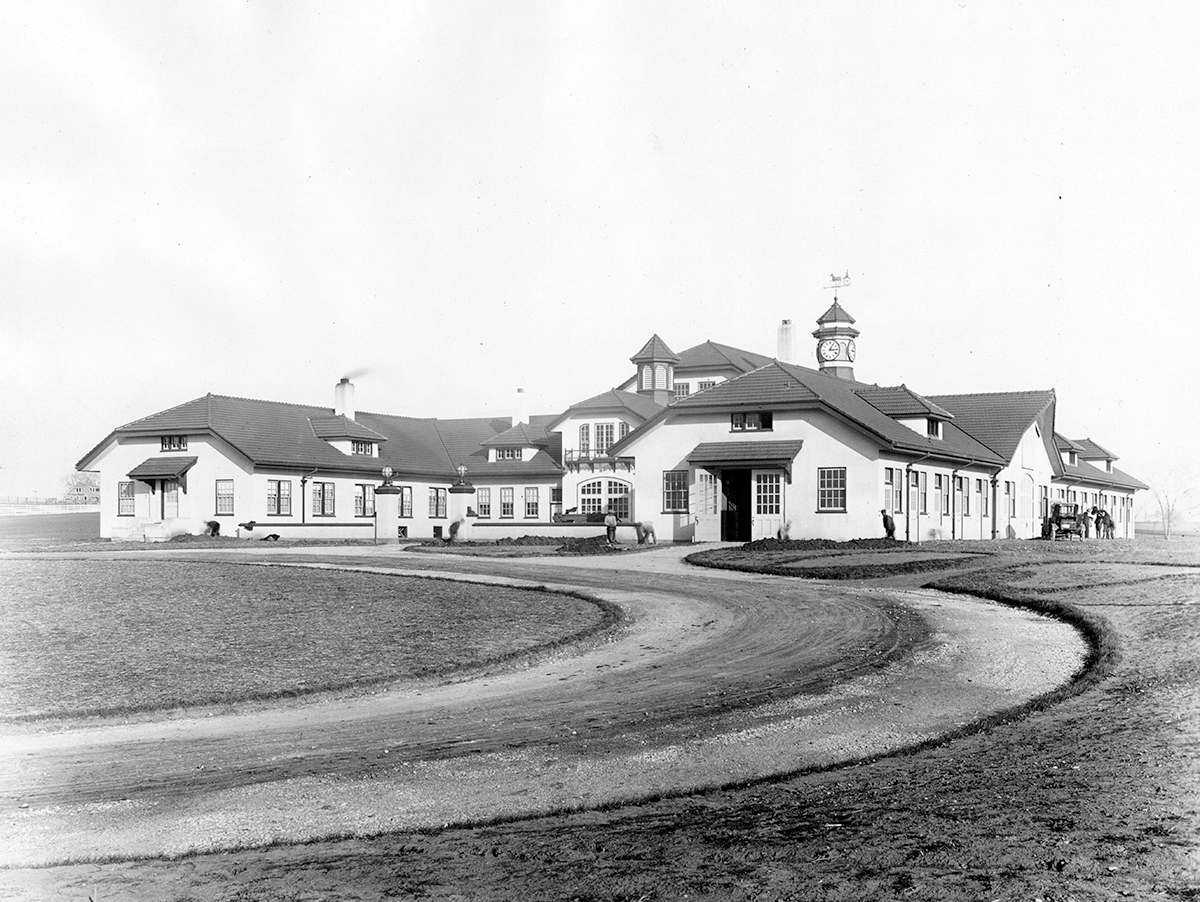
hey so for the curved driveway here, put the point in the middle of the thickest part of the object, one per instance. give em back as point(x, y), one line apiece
point(717, 678)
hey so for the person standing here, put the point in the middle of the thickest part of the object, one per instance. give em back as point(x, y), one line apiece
point(889, 525)
point(1087, 524)
point(610, 526)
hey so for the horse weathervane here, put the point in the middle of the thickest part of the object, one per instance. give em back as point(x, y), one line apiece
point(837, 282)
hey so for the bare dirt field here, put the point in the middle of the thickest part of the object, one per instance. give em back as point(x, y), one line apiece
point(1089, 792)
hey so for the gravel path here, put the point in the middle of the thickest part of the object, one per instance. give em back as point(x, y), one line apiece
point(720, 678)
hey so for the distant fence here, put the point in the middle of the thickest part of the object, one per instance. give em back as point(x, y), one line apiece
point(15, 505)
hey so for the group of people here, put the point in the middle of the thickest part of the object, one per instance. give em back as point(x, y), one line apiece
point(644, 530)
point(1102, 521)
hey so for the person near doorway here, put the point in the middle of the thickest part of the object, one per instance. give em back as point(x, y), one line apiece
point(889, 525)
point(610, 527)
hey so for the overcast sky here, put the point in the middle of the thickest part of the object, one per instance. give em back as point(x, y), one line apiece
point(462, 198)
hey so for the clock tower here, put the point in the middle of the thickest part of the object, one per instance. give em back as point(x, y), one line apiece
point(835, 336)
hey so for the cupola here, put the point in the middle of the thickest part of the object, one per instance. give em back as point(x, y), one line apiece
point(835, 336)
point(655, 364)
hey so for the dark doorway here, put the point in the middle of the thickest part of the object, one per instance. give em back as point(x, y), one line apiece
point(735, 519)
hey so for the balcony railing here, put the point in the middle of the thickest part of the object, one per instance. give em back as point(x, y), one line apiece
point(595, 460)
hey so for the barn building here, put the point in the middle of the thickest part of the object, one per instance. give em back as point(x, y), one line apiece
point(712, 444)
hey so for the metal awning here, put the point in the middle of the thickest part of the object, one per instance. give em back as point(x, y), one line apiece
point(746, 455)
point(154, 468)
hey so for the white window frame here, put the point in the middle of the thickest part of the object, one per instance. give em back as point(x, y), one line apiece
point(831, 488)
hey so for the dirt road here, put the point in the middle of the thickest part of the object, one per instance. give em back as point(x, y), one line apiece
point(717, 679)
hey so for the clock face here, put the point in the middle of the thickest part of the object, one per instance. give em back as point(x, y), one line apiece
point(850, 350)
point(829, 349)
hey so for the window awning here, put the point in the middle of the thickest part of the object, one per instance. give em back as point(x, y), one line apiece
point(746, 455)
point(154, 468)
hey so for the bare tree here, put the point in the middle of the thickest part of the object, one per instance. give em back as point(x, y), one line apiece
point(1173, 497)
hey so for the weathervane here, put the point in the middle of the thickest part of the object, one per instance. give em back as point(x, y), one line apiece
point(837, 282)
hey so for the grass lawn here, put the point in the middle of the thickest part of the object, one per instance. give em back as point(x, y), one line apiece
point(1093, 799)
point(88, 637)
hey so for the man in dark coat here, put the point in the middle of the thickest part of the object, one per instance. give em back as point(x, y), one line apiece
point(889, 525)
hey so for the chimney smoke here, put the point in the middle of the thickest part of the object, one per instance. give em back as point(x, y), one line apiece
point(343, 398)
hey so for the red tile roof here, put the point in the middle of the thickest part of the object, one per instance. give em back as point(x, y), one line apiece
point(711, 355)
point(612, 401)
point(835, 314)
point(901, 401)
point(280, 435)
point(341, 426)
point(747, 453)
point(1086, 474)
point(655, 349)
point(1090, 450)
point(780, 386)
point(1000, 419)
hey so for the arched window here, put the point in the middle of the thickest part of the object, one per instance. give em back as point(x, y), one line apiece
point(585, 444)
point(602, 495)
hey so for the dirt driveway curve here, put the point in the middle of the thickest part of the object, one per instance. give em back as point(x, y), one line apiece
point(718, 678)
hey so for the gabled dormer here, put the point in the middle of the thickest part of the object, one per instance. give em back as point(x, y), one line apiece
point(1095, 454)
point(1070, 452)
point(908, 408)
point(347, 436)
point(520, 443)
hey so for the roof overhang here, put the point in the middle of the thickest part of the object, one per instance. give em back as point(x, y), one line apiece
point(747, 455)
point(153, 469)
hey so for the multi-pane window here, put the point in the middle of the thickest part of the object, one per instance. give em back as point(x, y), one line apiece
point(985, 502)
point(174, 442)
point(893, 489)
point(602, 495)
point(933, 428)
point(923, 491)
point(322, 499)
point(406, 509)
point(437, 502)
point(706, 493)
point(506, 502)
point(675, 491)
point(483, 500)
point(1010, 492)
point(531, 502)
point(963, 487)
point(358, 447)
point(170, 499)
point(622, 430)
point(508, 454)
point(1044, 505)
point(224, 496)
point(279, 497)
point(585, 442)
point(705, 384)
point(364, 500)
point(682, 390)
point(591, 497)
point(750, 422)
point(604, 437)
point(766, 493)
point(941, 494)
point(831, 489)
point(124, 499)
